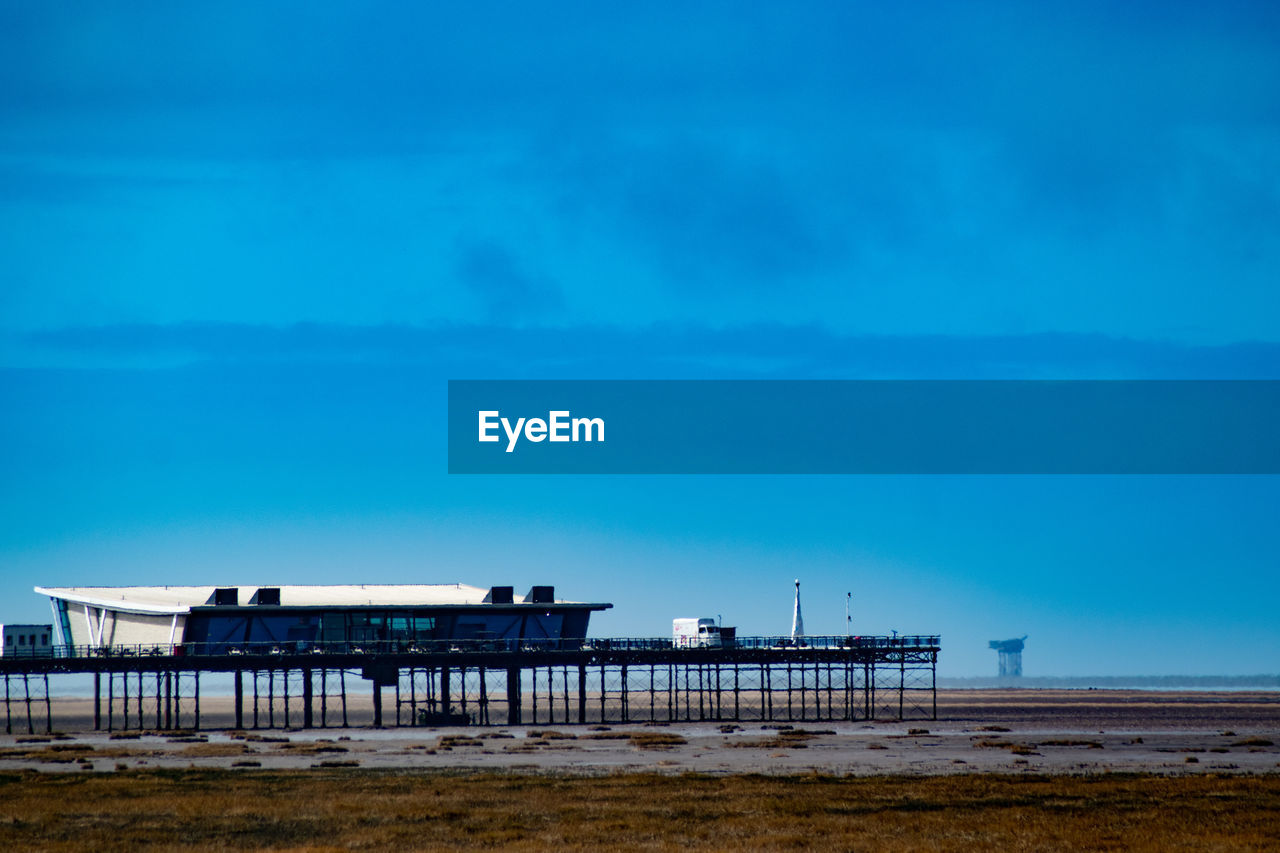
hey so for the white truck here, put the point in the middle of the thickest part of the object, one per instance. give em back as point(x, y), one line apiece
point(694, 632)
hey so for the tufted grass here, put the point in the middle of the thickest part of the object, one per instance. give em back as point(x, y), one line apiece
point(343, 808)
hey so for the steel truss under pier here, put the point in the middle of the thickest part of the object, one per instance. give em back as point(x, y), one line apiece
point(487, 683)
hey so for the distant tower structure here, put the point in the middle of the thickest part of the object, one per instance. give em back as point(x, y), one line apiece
point(797, 621)
point(1010, 652)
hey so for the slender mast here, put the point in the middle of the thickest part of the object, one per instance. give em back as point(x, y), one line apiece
point(797, 621)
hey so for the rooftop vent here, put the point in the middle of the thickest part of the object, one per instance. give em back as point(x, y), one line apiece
point(226, 596)
point(501, 595)
point(268, 596)
point(541, 595)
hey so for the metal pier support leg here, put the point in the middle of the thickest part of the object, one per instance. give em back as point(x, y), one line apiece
point(48, 710)
point(342, 686)
point(653, 698)
point(97, 701)
point(197, 700)
point(445, 698)
point(413, 697)
point(626, 710)
point(26, 686)
point(377, 704)
point(871, 696)
point(306, 699)
point(671, 693)
point(513, 695)
point(533, 708)
point(790, 712)
point(830, 713)
point(255, 698)
point(8, 714)
point(804, 676)
point(868, 691)
point(933, 671)
point(902, 680)
point(239, 700)
point(582, 693)
point(848, 691)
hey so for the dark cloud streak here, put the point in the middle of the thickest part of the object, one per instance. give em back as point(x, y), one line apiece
point(368, 78)
point(762, 351)
point(497, 278)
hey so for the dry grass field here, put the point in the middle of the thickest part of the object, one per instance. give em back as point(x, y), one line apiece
point(327, 809)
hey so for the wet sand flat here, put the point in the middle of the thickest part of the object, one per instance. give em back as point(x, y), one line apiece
point(1000, 731)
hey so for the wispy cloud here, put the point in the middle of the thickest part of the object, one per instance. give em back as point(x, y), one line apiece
point(761, 351)
point(498, 279)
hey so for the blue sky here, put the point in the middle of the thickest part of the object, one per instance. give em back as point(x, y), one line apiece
point(245, 250)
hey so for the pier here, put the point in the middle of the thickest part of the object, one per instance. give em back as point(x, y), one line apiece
point(488, 683)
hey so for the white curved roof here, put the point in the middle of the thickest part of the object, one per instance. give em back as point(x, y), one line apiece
point(180, 599)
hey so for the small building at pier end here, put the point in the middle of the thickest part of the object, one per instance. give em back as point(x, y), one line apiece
point(232, 619)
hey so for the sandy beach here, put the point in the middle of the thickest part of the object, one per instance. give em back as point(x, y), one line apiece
point(1019, 731)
